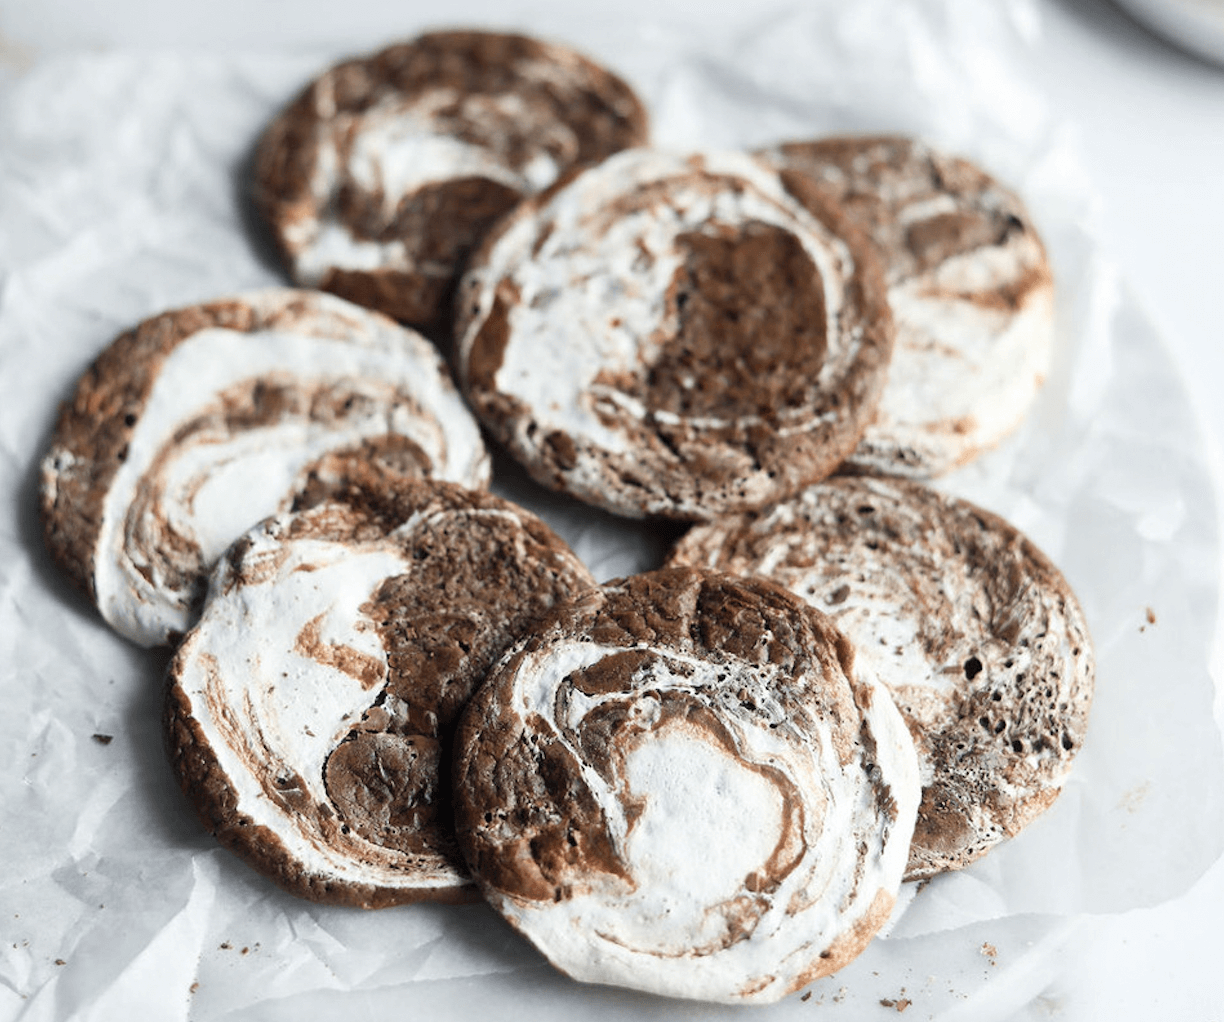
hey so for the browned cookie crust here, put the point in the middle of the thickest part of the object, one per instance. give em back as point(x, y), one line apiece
point(674, 336)
point(677, 783)
point(308, 716)
point(383, 173)
point(974, 631)
point(970, 288)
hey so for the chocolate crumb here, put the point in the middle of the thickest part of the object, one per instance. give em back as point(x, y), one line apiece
point(102, 739)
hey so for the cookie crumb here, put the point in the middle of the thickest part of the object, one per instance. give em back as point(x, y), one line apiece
point(60, 961)
point(102, 739)
point(194, 987)
point(990, 951)
point(226, 945)
point(1133, 799)
point(900, 1004)
point(807, 996)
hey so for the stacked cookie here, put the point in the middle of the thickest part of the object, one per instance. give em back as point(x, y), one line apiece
point(708, 780)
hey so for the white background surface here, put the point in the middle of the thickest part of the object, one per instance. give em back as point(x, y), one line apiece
point(1151, 126)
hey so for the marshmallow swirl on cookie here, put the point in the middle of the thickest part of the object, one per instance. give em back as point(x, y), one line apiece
point(309, 713)
point(384, 172)
point(681, 783)
point(670, 335)
point(975, 632)
point(193, 426)
point(970, 288)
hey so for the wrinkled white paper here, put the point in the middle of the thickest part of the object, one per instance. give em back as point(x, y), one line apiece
point(122, 183)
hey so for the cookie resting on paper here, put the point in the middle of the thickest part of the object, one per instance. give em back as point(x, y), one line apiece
point(674, 336)
point(975, 632)
point(309, 714)
point(681, 783)
point(381, 175)
point(193, 426)
point(970, 288)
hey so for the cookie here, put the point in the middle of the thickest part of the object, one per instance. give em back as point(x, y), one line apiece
point(196, 424)
point(971, 293)
point(381, 175)
point(308, 715)
point(976, 634)
point(674, 336)
point(680, 783)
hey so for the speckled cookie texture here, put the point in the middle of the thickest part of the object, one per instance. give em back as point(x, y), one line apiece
point(974, 631)
point(309, 714)
point(383, 173)
point(970, 288)
point(680, 783)
point(193, 426)
point(674, 335)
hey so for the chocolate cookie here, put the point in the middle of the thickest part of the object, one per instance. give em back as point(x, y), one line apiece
point(309, 713)
point(681, 783)
point(196, 424)
point(974, 631)
point(970, 290)
point(674, 336)
point(383, 173)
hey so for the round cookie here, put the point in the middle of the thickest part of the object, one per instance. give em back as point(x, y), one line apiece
point(970, 288)
point(680, 783)
point(383, 173)
point(309, 714)
point(674, 336)
point(199, 422)
point(976, 634)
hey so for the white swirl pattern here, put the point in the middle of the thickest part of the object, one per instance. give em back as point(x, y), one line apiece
point(586, 281)
point(755, 809)
point(196, 473)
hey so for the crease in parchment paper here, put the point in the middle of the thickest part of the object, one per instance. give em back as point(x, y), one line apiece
point(122, 193)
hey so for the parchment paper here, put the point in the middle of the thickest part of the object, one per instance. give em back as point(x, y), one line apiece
point(121, 194)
